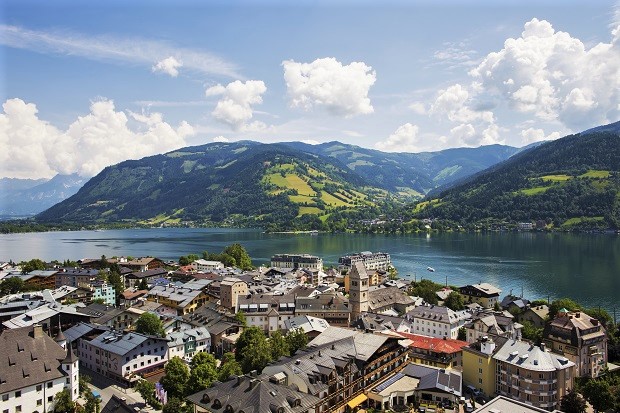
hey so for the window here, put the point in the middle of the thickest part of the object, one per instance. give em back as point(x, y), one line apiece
point(18, 408)
point(39, 402)
point(5, 397)
point(39, 387)
point(50, 398)
point(18, 393)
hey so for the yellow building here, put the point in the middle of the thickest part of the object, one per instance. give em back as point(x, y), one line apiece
point(183, 300)
point(479, 366)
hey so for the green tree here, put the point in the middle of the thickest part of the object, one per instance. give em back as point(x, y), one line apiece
point(253, 351)
point(241, 256)
point(497, 307)
point(462, 334)
point(557, 305)
point(176, 375)
point(532, 333)
point(83, 382)
point(296, 339)
point(32, 265)
point(203, 358)
point(454, 301)
point(63, 402)
point(229, 367)
point(240, 317)
point(175, 405)
point(149, 323)
point(598, 393)
point(116, 280)
point(201, 377)
point(99, 301)
point(279, 345)
point(143, 285)
point(248, 336)
point(572, 402)
point(93, 404)
point(11, 285)
point(147, 391)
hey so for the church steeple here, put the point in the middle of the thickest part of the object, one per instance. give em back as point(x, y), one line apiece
point(60, 338)
point(358, 289)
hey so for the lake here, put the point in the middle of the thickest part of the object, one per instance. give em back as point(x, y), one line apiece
point(584, 267)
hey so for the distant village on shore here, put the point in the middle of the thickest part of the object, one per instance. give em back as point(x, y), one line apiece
point(289, 337)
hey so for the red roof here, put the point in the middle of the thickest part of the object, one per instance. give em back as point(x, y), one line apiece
point(437, 345)
point(130, 295)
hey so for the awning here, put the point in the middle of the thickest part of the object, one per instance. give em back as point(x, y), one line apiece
point(357, 400)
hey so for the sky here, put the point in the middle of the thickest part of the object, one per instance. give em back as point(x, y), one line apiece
point(84, 85)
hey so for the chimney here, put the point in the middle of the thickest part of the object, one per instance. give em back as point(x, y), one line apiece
point(37, 331)
point(254, 383)
point(594, 321)
point(543, 346)
point(577, 314)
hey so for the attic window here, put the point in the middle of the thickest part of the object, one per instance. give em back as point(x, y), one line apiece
point(229, 409)
point(205, 398)
point(217, 404)
point(20, 347)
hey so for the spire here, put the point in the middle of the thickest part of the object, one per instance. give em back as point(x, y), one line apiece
point(71, 357)
point(60, 338)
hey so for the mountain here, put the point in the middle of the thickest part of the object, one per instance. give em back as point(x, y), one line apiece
point(412, 174)
point(569, 182)
point(25, 197)
point(241, 183)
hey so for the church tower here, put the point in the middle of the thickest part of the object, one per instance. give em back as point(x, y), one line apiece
point(358, 289)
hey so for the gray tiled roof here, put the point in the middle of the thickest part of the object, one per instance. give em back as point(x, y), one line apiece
point(531, 357)
point(253, 395)
point(121, 344)
point(26, 360)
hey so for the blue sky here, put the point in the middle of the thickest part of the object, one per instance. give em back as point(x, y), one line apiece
point(89, 84)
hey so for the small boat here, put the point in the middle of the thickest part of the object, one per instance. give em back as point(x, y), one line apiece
point(431, 269)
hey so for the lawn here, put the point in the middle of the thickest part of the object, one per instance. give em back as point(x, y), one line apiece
point(331, 200)
point(534, 191)
point(595, 174)
point(308, 210)
point(556, 178)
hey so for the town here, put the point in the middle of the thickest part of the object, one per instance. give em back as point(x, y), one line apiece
point(213, 333)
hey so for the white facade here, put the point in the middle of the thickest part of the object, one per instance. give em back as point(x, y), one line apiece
point(204, 265)
point(119, 356)
point(372, 260)
point(295, 261)
point(437, 321)
point(186, 343)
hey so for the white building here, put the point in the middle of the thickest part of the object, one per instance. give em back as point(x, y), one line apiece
point(437, 321)
point(297, 261)
point(205, 266)
point(186, 343)
point(33, 369)
point(371, 260)
point(115, 354)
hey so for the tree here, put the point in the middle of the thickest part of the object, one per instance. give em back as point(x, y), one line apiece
point(32, 265)
point(241, 256)
point(253, 350)
point(557, 305)
point(99, 301)
point(143, 285)
point(117, 282)
point(497, 307)
point(83, 383)
point(147, 391)
point(240, 317)
point(249, 335)
point(572, 402)
point(532, 333)
point(229, 367)
point(598, 394)
point(175, 405)
point(150, 324)
point(454, 301)
point(11, 285)
point(201, 377)
point(93, 404)
point(462, 334)
point(188, 259)
point(175, 378)
point(296, 339)
point(63, 402)
point(279, 345)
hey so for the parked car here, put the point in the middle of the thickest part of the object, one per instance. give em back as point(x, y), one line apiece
point(468, 407)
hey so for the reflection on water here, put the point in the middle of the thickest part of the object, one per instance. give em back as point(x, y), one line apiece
point(581, 266)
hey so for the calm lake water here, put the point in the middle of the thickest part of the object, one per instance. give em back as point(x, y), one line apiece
point(583, 267)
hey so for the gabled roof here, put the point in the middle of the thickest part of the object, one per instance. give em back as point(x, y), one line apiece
point(116, 405)
point(28, 356)
point(437, 345)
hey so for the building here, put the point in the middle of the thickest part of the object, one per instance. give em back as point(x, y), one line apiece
point(372, 261)
point(224, 329)
point(332, 307)
point(186, 343)
point(492, 324)
point(484, 294)
point(382, 322)
point(250, 394)
point(536, 315)
point(39, 280)
point(105, 292)
point(297, 261)
point(34, 368)
point(183, 300)
point(502, 404)
point(134, 279)
point(580, 338)
point(74, 277)
point(358, 295)
point(479, 364)
point(206, 266)
point(444, 353)
point(437, 321)
point(340, 366)
point(530, 374)
point(230, 289)
point(312, 326)
point(143, 264)
point(117, 355)
point(267, 312)
point(392, 299)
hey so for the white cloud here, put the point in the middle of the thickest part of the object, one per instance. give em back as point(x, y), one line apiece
point(235, 106)
point(464, 133)
point(169, 66)
point(454, 103)
point(455, 55)
point(418, 108)
point(532, 135)
point(404, 139)
point(101, 138)
point(220, 139)
point(341, 89)
point(310, 141)
point(555, 76)
point(113, 48)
